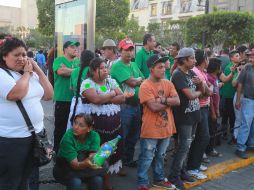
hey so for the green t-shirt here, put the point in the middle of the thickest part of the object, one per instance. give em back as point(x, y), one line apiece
point(140, 60)
point(62, 91)
point(122, 72)
point(74, 78)
point(228, 91)
point(167, 73)
point(70, 146)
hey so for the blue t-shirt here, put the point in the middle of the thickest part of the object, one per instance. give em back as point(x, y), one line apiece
point(40, 58)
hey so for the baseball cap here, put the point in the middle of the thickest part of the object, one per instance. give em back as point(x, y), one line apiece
point(154, 59)
point(109, 43)
point(70, 43)
point(185, 52)
point(125, 44)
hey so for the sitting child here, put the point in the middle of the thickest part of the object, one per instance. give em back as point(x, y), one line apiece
point(73, 162)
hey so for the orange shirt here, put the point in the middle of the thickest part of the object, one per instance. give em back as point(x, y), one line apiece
point(156, 125)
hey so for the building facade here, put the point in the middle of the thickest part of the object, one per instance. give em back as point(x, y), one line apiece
point(146, 11)
point(25, 16)
point(232, 5)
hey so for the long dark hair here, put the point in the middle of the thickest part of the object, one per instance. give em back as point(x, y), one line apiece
point(94, 65)
point(85, 58)
point(8, 45)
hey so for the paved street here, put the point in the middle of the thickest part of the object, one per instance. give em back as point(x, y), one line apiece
point(241, 179)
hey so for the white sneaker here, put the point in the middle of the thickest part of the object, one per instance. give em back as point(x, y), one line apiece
point(197, 174)
point(202, 168)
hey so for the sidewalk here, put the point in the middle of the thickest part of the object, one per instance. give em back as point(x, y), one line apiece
point(217, 168)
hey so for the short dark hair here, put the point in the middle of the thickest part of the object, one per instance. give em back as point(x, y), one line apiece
point(9, 45)
point(87, 118)
point(214, 64)
point(200, 56)
point(175, 44)
point(147, 37)
point(242, 49)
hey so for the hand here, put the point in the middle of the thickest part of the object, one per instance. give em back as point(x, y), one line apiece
point(232, 69)
point(36, 68)
point(213, 116)
point(89, 163)
point(196, 80)
point(113, 93)
point(128, 94)
point(28, 67)
point(238, 105)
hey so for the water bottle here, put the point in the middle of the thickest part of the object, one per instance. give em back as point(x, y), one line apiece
point(105, 151)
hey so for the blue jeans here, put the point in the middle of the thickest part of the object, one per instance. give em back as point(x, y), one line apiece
point(130, 122)
point(246, 130)
point(151, 150)
point(94, 183)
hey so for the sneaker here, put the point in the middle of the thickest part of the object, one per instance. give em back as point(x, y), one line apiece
point(205, 159)
point(241, 154)
point(214, 153)
point(202, 168)
point(164, 184)
point(197, 174)
point(187, 178)
point(177, 181)
point(143, 188)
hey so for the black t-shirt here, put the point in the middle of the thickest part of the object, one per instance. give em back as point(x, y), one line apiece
point(188, 112)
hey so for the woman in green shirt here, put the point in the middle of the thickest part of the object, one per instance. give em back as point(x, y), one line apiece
point(73, 163)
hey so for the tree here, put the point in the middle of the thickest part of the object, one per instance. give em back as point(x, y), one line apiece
point(111, 14)
point(222, 28)
point(46, 16)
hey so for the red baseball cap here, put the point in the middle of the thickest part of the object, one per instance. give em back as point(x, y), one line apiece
point(125, 44)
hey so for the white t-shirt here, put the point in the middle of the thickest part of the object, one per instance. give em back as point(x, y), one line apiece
point(12, 123)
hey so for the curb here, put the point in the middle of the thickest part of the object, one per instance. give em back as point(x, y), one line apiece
point(219, 170)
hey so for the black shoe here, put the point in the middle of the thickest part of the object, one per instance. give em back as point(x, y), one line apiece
point(241, 154)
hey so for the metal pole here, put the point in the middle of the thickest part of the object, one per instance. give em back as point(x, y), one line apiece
point(204, 33)
point(91, 25)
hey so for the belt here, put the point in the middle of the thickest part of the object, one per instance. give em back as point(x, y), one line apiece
point(252, 98)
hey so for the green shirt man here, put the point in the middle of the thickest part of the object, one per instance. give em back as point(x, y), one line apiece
point(140, 60)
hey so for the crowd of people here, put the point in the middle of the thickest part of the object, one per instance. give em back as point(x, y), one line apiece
point(191, 97)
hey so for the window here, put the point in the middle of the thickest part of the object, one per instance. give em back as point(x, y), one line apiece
point(154, 9)
point(185, 6)
point(167, 8)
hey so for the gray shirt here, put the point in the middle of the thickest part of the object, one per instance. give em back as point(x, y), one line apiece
point(246, 78)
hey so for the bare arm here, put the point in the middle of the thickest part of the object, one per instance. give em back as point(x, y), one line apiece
point(173, 101)
point(190, 94)
point(21, 88)
point(119, 98)
point(64, 71)
point(133, 82)
point(98, 99)
point(46, 85)
point(76, 165)
point(224, 78)
point(155, 105)
point(238, 96)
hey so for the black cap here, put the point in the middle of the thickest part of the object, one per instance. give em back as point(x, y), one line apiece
point(70, 43)
point(154, 59)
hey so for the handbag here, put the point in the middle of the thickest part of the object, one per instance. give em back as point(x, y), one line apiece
point(41, 144)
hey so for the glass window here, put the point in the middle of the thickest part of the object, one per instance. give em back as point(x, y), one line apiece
point(71, 23)
point(154, 9)
point(167, 8)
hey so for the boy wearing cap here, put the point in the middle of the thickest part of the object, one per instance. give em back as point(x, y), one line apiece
point(129, 78)
point(157, 95)
point(62, 67)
